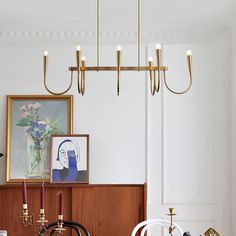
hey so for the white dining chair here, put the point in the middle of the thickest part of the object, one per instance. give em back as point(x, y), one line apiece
point(3, 233)
point(147, 224)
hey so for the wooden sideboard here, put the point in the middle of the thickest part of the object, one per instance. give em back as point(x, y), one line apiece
point(105, 210)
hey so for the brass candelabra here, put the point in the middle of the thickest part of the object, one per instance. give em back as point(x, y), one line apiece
point(27, 218)
point(58, 227)
point(41, 223)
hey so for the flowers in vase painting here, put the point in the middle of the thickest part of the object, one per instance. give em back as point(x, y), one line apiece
point(37, 132)
point(37, 128)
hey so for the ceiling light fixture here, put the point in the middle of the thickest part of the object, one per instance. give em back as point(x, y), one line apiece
point(81, 67)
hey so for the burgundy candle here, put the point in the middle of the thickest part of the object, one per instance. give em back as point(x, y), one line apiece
point(60, 196)
point(24, 192)
point(42, 196)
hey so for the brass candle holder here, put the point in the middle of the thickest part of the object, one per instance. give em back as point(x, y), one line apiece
point(59, 229)
point(41, 226)
point(171, 214)
point(41, 223)
point(54, 228)
point(42, 218)
point(27, 218)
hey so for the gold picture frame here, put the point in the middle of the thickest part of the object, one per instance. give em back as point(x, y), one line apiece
point(31, 120)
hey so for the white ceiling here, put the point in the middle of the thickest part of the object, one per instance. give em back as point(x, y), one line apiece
point(119, 15)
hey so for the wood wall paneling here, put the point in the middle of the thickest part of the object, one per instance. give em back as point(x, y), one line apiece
point(112, 210)
point(103, 209)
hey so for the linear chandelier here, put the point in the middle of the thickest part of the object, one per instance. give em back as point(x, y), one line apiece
point(81, 67)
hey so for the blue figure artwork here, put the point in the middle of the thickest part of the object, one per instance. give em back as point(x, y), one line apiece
point(68, 156)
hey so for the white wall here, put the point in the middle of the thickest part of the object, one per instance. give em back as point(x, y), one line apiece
point(233, 127)
point(188, 141)
point(183, 139)
point(116, 124)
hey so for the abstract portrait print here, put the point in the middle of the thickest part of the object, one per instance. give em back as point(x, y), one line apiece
point(70, 160)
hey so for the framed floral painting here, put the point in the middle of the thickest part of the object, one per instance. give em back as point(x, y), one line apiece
point(31, 120)
point(69, 158)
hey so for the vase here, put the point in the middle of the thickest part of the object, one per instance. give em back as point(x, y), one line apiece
point(36, 158)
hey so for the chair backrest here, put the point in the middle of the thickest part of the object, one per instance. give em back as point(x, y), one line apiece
point(76, 226)
point(147, 224)
point(3, 233)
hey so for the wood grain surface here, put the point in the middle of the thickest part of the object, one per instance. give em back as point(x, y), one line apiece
point(104, 210)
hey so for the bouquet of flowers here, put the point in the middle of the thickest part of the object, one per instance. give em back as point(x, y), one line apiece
point(37, 131)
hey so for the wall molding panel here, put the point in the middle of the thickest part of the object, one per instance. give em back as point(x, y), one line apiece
point(167, 35)
point(192, 202)
point(187, 158)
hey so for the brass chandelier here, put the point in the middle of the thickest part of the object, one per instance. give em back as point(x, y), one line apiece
point(81, 67)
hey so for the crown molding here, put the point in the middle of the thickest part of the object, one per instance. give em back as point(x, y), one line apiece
point(27, 37)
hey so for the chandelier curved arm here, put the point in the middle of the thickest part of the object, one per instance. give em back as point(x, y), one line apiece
point(158, 57)
point(81, 82)
point(45, 78)
point(152, 74)
point(153, 82)
point(118, 55)
point(189, 61)
point(158, 82)
point(118, 82)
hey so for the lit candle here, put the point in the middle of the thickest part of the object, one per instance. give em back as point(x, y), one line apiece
point(118, 54)
point(24, 194)
point(150, 59)
point(45, 63)
point(42, 196)
point(78, 52)
point(83, 58)
point(189, 60)
point(189, 53)
point(158, 46)
point(45, 53)
point(78, 48)
point(60, 196)
point(118, 48)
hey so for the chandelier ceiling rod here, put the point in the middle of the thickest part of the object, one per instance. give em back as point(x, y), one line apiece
point(98, 33)
point(81, 67)
point(139, 32)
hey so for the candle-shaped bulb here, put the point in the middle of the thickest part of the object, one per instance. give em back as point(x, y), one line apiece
point(24, 192)
point(158, 46)
point(150, 59)
point(46, 53)
point(119, 48)
point(189, 53)
point(78, 48)
point(83, 58)
point(42, 194)
point(60, 197)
